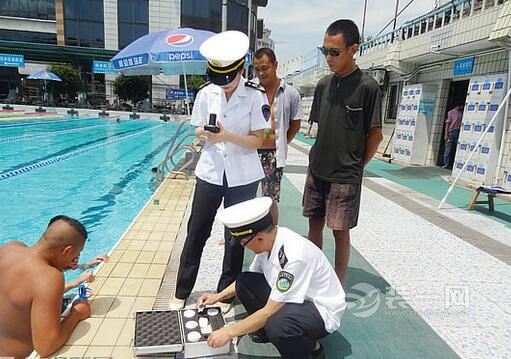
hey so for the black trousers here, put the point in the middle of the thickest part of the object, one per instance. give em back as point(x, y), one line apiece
point(294, 329)
point(207, 198)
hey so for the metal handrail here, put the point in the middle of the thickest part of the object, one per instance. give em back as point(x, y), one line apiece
point(175, 148)
point(401, 34)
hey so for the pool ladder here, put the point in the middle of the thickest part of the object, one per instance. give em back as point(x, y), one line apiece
point(182, 167)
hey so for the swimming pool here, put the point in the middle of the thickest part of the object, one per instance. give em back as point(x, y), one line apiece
point(95, 170)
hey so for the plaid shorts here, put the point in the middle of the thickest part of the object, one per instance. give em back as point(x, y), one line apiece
point(270, 184)
point(338, 202)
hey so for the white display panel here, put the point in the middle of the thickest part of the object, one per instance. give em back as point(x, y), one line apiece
point(485, 93)
point(413, 124)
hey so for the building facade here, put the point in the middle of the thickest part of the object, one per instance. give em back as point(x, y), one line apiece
point(457, 53)
point(80, 32)
point(265, 40)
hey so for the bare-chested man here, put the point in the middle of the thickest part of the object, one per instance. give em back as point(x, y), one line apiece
point(31, 290)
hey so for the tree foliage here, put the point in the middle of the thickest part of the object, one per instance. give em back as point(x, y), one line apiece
point(194, 82)
point(71, 81)
point(131, 88)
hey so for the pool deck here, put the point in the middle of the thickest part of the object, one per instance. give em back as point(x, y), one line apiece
point(422, 282)
point(130, 281)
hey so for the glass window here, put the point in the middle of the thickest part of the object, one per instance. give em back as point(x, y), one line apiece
point(424, 26)
point(84, 33)
point(140, 30)
point(28, 36)
point(71, 9)
point(202, 14)
point(72, 29)
point(455, 12)
point(142, 11)
point(97, 33)
point(96, 10)
point(447, 16)
point(133, 20)
point(33, 9)
point(467, 8)
point(84, 9)
point(431, 19)
point(124, 10)
point(236, 14)
point(478, 5)
point(187, 7)
point(392, 103)
point(83, 23)
point(438, 21)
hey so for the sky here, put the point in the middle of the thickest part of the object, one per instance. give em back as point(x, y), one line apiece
point(298, 25)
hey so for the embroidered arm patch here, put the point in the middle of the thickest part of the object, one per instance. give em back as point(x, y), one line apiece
point(284, 281)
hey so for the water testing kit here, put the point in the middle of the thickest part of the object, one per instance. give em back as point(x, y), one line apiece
point(168, 332)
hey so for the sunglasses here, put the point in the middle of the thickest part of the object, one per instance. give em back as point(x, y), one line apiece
point(333, 51)
point(244, 242)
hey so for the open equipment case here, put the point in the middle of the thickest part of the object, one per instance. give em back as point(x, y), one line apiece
point(169, 332)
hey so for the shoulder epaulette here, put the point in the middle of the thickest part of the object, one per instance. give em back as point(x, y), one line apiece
point(204, 85)
point(254, 86)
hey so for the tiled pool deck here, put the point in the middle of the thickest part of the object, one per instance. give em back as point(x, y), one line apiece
point(131, 279)
point(437, 290)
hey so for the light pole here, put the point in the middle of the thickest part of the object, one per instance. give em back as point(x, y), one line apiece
point(364, 20)
point(224, 15)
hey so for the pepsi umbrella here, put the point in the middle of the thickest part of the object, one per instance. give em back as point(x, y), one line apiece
point(171, 52)
point(45, 76)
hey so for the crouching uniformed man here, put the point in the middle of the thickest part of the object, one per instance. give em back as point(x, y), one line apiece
point(230, 114)
point(291, 292)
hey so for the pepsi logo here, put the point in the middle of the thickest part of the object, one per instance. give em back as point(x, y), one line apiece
point(179, 40)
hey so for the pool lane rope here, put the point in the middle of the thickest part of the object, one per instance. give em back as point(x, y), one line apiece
point(35, 123)
point(44, 134)
point(26, 169)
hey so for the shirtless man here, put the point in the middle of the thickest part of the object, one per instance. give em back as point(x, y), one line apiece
point(31, 290)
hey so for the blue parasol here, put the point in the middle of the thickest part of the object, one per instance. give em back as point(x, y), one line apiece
point(168, 52)
point(45, 76)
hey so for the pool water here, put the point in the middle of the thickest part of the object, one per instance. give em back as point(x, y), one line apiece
point(97, 171)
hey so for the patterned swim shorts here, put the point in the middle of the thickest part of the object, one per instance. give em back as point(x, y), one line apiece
point(270, 184)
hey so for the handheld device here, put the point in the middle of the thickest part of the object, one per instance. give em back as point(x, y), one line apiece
point(211, 126)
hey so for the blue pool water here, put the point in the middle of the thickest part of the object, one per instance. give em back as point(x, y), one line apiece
point(97, 171)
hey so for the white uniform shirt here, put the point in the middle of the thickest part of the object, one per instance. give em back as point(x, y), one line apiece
point(240, 115)
point(297, 270)
point(287, 106)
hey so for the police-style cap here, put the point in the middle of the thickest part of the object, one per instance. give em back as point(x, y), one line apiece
point(246, 219)
point(226, 54)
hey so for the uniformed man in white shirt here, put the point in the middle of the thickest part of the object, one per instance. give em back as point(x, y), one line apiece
point(291, 292)
point(231, 116)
